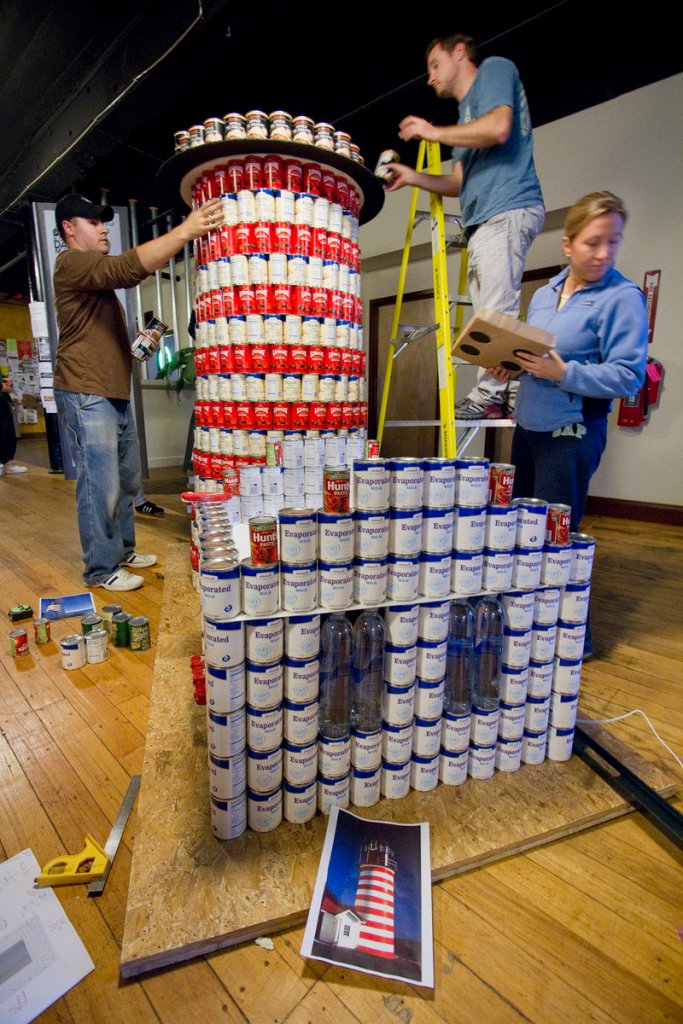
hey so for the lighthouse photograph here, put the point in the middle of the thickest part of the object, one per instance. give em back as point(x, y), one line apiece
point(371, 907)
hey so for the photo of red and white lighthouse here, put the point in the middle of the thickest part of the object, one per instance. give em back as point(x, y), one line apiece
point(374, 901)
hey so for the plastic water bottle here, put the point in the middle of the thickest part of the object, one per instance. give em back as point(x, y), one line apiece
point(334, 711)
point(489, 620)
point(457, 696)
point(368, 671)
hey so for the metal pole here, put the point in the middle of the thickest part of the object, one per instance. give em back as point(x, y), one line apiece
point(187, 257)
point(171, 274)
point(154, 210)
point(135, 238)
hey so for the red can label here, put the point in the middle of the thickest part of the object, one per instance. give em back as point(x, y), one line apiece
point(558, 524)
point(246, 298)
point(260, 357)
point(226, 359)
point(302, 239)
point(245, 241)
point(372, 447)
point(315, 355)
point(215, 244)
point(342, 192)
point(312, 178)
point(334, 304)
point(263, 298)
point(18, 642)
point(279, 358)
point(501, 480)
point(331, 360)
point(213, 362)
point(253, 172)
point(317, 415)
point(348, 307)
point(217, 414)
point(282, 416)
point(200, 361)
point(227, 233)
point(229, 301)
point(282, 298)
point(346, 363)
point(235, 169)
point(347, 414)
point(293, 173)
point(231, 481)
point(333, 418)
point(263, 540)
point(319, 242)
point(263, 236)
point(273, 172)
point(297, 358)
point(319, 301)
point(263, 415)
point(328, 185)
point(281, 236)
point(230, 414)
point(333, 247)
point(242, 358)
point(245, 415)
point(302, 299)
point(336, 489)
point(300, 416)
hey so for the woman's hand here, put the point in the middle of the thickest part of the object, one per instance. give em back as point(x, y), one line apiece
point(547, 367)
point(499, 373)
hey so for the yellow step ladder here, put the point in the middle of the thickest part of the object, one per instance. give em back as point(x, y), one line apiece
point(403, 334)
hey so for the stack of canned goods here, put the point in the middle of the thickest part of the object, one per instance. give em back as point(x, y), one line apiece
point(279, 126)
point(279, 345)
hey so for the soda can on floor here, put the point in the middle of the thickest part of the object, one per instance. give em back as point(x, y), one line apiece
point(121, 629)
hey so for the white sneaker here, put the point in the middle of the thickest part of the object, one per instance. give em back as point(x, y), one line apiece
point(138, 561)
point(12, 467)
point(122, 580)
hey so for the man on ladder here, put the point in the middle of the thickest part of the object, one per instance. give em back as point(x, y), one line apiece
point(494, 176)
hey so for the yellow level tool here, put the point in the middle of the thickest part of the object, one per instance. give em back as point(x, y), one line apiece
point(442, 327)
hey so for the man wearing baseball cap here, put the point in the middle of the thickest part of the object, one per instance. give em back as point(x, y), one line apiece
point(92, 378)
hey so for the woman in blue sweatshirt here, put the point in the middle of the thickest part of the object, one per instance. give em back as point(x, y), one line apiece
point(564, 398)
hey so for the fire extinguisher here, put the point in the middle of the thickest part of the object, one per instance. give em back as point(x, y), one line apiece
point(635, 409)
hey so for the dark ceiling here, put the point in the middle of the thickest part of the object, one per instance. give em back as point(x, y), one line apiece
point(89, 108)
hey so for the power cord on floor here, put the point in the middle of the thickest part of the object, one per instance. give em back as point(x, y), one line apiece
point(620, 718)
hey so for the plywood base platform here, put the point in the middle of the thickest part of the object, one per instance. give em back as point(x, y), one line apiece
point(190, 894)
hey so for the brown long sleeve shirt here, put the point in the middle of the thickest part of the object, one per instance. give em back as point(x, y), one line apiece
point(93, 355)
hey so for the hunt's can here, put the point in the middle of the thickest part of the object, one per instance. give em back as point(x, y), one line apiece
point(18, 642)
point(501, 480)
point(336, 488)
point(120, 628)
point(558, 524)
point(263, 540)
point(140, 639)
point(41, 630)
point(97, 645)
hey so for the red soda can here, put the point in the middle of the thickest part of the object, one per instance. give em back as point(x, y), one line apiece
point(328, 185)
point(317, 415)
point(263, 540)
point(263, 415)
point(293, 176)
point(282, 415)
point(226, 359)
point(312, 178)
point(281, 236)
point(273, 171)
point(253, 172)
point(558, 524)
point(263, 236)
point(336, 488)
point(242, 357)
point(501, 480)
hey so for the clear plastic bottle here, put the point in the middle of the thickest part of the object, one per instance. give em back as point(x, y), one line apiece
point(334, 712)
point(489, 620)
point(457, 697)
point(368, 671)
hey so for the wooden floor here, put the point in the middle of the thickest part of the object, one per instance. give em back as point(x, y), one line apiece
point(588, 928)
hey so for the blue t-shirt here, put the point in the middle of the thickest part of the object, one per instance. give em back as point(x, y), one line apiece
point(501, 177)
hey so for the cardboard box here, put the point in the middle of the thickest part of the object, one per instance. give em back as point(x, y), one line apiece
point(491, 339)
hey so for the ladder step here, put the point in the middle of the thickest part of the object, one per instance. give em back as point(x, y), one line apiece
point(412, 332)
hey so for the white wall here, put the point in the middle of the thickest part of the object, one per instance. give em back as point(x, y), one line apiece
point(633, 146)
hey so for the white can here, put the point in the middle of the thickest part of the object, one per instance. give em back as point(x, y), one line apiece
point(546, 605)
point(397, 742)
point(469, 524)
point(430, 662)
point(426, 736)
point(333, 792)
point(366, 749)
point(513, 683)
point(335, 536)
point(300, 762)
point(424, 772)
point(402, 624)
point(570, 639)
point(265, 686)
point(531, 522)
point(583, 552)
point(481, 761)
point(471, 481)
point(434, 576)
point(371, 534)
point(500, 527)
point(437, 530)
point(225, 688)
point(455, 732)
point(555, 565)
point(543, 642)
point(219, 588)
point(484, 726)
point(301, 679)
point(563, 710)
point(509, 754)
point(264, 810)
point(566, 676)
point(264, 640)
point(335, 585)
point(406, 480)
point(96, 646)
point(438, 490)
point(371, 484)
point(399, 664)
point(369, 581)
point(540, 679)
point(403, 576)
point(302, 636)
point(533, 746)
point(516, 647)
point(264, 727)
point(526, 568)
point(536, 713)
point(467, 569)
point(433, 619)
point(574, 600)
point(560, 743)
point(260, 588)
point(519, 608)
point(511, 721)
point(228, 817)
point(365, 786)
point(300, 721)
point(226, 734)
point(334, 756)
point(429, 695)
point(405, 532)
point(398, 703)
point(300, 802)
point(298, 536)
point(453, 767)
point(223, 643)
point(299, 587)
point(264, 769)
point(496, 572)
point(227, 776)
point(395, 779)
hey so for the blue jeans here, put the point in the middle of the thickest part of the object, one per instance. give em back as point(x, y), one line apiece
point(106, 450)
point(496, 255)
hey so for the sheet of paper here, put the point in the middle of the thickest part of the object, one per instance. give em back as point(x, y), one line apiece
point(38, 314)
point(66, 606)
point(41, 955)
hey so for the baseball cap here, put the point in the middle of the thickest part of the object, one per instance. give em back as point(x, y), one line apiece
point(78, 206)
